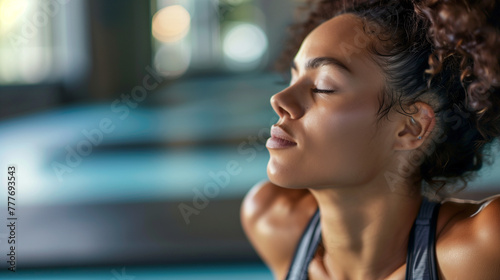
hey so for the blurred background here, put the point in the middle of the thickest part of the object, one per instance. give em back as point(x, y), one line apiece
point(136, 127)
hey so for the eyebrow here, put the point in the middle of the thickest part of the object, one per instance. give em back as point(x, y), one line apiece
point(322, 61)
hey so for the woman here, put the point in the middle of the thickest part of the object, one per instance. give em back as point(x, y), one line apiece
point(390, 102)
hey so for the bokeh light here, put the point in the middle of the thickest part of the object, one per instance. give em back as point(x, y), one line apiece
point(171, 23)
point(245, 43)
point(172, 60)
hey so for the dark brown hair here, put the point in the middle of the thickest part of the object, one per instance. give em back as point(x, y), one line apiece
point(447, 51)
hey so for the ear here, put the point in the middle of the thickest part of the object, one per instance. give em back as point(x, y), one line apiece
point(413, 132)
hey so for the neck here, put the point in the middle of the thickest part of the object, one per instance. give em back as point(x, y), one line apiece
point(365, 229)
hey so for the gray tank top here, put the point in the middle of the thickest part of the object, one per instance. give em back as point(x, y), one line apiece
point(420, 259)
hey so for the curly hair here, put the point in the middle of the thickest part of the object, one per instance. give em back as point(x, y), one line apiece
point(447, 52)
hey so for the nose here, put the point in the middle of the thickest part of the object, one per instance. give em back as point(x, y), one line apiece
point(286, 104)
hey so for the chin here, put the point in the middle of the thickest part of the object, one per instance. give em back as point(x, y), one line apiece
point(282, 179)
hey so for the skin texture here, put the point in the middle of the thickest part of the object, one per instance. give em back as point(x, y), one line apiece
point(340, 164)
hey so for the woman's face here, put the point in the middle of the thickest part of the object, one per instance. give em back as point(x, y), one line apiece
point(338, 140)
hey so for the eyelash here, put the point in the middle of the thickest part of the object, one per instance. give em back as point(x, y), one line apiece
point(317, 90)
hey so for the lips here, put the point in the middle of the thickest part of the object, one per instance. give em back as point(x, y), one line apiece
point(279, 133)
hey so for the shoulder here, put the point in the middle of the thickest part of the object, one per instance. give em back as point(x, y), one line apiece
point(274, 219)
point(468, 244)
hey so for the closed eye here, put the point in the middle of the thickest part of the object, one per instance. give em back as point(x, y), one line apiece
point(317, 90)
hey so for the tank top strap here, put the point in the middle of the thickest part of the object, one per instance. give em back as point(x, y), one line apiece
point(420, 260)
point(421, 256)
point(306, 249)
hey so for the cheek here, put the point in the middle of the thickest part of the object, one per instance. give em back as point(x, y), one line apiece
point(342, 142)
point(351, 126)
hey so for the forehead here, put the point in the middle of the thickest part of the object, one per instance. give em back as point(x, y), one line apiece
point(343, 38)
